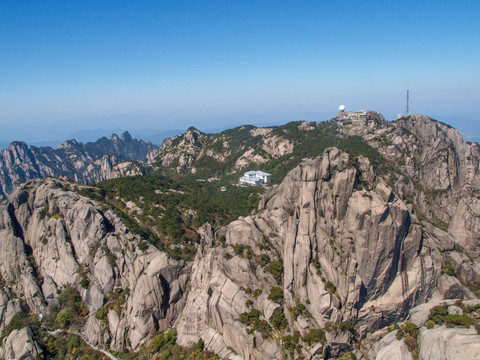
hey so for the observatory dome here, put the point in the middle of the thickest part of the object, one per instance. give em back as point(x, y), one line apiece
point(341, 107)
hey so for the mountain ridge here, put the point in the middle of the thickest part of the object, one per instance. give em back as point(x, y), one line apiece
point(85, 163)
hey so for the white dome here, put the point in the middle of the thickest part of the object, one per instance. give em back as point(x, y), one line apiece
point(341, 107)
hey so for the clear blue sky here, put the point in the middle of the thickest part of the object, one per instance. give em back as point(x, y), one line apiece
point(171, 64)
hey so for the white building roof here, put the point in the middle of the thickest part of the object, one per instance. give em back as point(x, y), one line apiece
point(257, 173)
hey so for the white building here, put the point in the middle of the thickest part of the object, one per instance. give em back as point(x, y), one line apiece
point(255, 177)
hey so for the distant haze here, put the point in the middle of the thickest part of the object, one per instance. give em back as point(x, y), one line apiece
point(85, 130)
point(67, 67)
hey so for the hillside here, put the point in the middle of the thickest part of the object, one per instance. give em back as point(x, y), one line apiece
point(84, 163)
point(425, 161)
point(368, 248)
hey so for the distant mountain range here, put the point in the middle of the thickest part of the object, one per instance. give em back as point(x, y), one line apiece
point(84, 163)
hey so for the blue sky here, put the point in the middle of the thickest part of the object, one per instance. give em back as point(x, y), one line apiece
point(73, 65)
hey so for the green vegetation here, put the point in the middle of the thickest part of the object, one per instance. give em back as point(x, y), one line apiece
point(116, 301)
point(448, 268)
point(44, 212)
point(276, 294)
point(330, 287)
point(167, 211)
point(243, 251)
point(163, 347)
point(298, 310)
point(85, 283)
point(409, 333)
point(408, 329)
point(67, 346)
point(439, 315)
point(317, 266)
point(291, 343)
point(279, 321)
point(276, 269)
point(346, 326)
point(71, 310)
point(253, 323)
point(315, 336)
point(68, 316)
point(307, 144)
point(19, 321)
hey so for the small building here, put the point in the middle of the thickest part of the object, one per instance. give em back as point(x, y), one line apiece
point(359, 116)
point(255, 177)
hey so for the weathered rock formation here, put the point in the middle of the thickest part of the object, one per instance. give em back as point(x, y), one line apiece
point(351, 253)
point(51, 238)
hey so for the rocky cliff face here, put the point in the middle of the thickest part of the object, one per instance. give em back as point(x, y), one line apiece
point(351, 253)
point(51, 239)
point(436, 170)
point(84, 163)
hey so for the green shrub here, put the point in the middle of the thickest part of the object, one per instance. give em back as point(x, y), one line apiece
point(18, 321)
point(315, 336)
point(290, 343)
point(264, 260)
point(317, 266)
point(43, 212)
point(438, 313)
point(409, 329)
point(101, 314)
point(330, 287)
point(253, 322)
point(276, 294)
point(346, 326)
point(477, 327)
point(300, 309)
point(429, 324)
point(63, 320)
point(276, 269)
point(251, 317)
point(458, 321)
point(256, 293)
point(85, 283)
point(142, 245)
point(168, 337)
point(448, 268)
point(279, 321)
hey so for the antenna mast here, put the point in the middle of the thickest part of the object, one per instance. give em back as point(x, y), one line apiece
point(406, 106)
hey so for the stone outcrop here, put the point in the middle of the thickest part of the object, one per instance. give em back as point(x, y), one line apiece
point(51, 238)
point(20, 345)
point(350, 253)
point(436, 342)
point(436, 170)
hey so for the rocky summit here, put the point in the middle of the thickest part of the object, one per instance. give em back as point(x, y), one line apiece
point(365, 247)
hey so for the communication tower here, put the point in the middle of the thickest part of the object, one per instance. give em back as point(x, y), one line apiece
point(406, 105)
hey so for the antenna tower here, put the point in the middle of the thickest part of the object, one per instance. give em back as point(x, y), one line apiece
point(406, 106)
